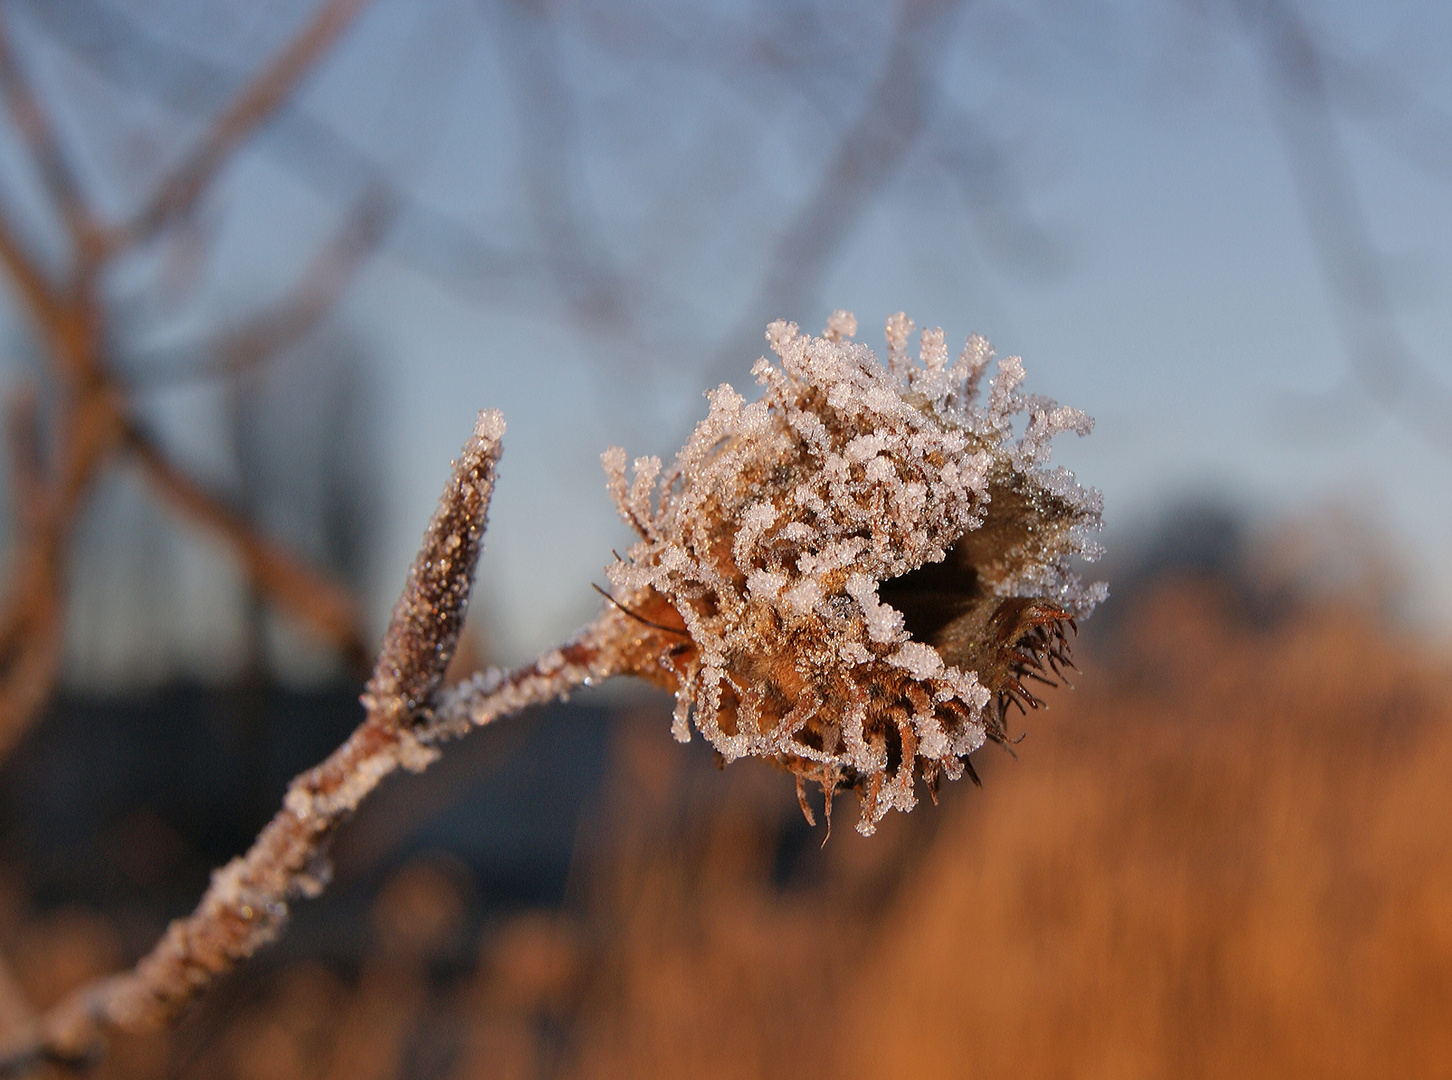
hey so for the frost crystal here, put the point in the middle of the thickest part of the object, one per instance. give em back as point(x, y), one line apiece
point(852, 575)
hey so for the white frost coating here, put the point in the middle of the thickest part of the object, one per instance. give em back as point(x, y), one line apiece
point(802, 598)
point(920, 660)
point(770, 535)
point(613, 461)
point(866, 446)
point(933, 350)
point(754, 521)
point(764, 585)
point(681, 719)
point(883, 623)
point(841, 326)
point(489, 426)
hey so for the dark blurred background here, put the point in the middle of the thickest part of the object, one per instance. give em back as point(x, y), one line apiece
point(265, 261)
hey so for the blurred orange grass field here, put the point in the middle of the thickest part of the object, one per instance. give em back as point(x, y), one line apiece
point(1228, 852)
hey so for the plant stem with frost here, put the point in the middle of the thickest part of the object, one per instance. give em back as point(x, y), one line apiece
point(246, 905)
point(851, 577)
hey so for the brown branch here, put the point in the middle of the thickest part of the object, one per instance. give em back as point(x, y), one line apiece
point(112, 45)
point(322, 284)
point(869, 154)
point(1381, 360)
point(247, 903)
point(575, 253)
point(30, 637)
point(32, 668)
point(39, 135)
point(34, 284)
point(27, 471)
point(291, 584)
point(281, 325)
point(32, 616)
point(272, 87)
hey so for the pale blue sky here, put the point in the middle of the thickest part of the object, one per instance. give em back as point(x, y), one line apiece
point(1190, 316)
point(1147, 253)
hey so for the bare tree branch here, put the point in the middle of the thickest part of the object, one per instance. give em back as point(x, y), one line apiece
point(73, 326)
point(1381, 360)
point(994, 196)
point(292, 585)
point(32, 614)
point(30, 641)
point(869, 154)
point(1378, 96)
point(35, 287)
point(179, 191)
point(279, 326)
point(436, 243)
point(39, 135)
point(575, 253)
point(247, 903)
point(27, 470)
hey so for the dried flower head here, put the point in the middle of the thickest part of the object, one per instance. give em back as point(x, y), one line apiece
point(854, 575)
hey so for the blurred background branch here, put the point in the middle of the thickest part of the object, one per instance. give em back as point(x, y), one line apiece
point(268, 257)
point(90, 409)
point(1298, 90)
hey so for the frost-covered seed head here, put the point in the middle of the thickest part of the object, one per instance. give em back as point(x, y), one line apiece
point(853, 575)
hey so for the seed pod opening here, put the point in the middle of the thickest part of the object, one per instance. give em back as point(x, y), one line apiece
point(858, 573)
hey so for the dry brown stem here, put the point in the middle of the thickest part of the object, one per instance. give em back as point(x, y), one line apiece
point(31, 619)
point(247, 903)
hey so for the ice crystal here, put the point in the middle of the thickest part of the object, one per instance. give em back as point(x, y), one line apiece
point(853, 574)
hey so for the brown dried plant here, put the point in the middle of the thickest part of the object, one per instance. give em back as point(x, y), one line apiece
point(759, 578)
point(754, 594)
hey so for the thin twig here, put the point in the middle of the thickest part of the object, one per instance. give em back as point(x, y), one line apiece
point(1381, 360)
point(28, 639)
point(438, 244)
point(291, 584)
point(35, 286)
point(273, 86)
point(575, 253)
point(39, 135)
point(72, 323)
point(27, 470)
point(281, 325)
point(247, 903)
point(869, 154)
point(31, 618)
